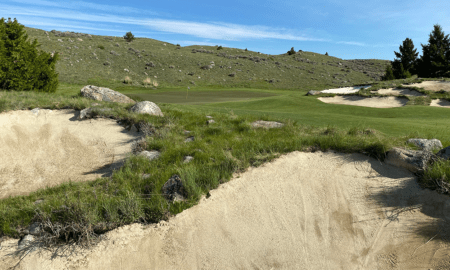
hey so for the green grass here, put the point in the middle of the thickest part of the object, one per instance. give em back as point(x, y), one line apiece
point(84, 60)
point(228, 146)
point(83, 210)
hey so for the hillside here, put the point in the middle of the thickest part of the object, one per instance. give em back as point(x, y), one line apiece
point(91, 59)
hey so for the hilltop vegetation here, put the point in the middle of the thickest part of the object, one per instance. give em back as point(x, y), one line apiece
point(91, 59)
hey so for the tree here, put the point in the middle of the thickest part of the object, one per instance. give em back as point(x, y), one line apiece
point(326, 53)
point(291, 52)
point(398, 70)
point(128, 37)
point(22, 66)
point(407, 56)
point(389, 75)
point(436, 54)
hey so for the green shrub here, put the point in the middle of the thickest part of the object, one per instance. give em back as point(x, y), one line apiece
point(291, 52)
point(219, 48)
point(22, 66)
point(128, 37)
point(326, 53)
point(245, 49)
point(101, 47)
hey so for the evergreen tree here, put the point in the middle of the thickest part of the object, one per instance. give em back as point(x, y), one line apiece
point(389, 75)
point(399, 71)
point(128, 37)
point(292, 51)
point(435, 58)
point(23, 67)
point(407, 56)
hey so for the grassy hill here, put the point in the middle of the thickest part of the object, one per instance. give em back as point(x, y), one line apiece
point(91, 59)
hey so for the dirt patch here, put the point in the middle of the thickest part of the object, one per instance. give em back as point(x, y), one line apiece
point(440, 103)
point(432, 85)
point(398, 92)
point(374, 102)
point(48, 147)
point(302, 210)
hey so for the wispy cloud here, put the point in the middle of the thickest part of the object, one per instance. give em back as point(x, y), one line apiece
point(352, 43)
point(224, 31)
point(85, 5)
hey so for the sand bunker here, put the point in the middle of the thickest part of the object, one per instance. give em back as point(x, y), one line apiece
point(440, 103)
point(398, 92)
point(374, 102)
point(432, 85)
point(300, 211)
point(42, 148)
point(345, 90)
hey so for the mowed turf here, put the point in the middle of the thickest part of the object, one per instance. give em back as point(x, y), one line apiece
point(424, 121)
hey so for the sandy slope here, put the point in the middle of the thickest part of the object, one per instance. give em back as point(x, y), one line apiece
point(46, 148)
point(300, 211)
point(440, 103)
point(432, 85)
point(397, 92)
point(374, 102)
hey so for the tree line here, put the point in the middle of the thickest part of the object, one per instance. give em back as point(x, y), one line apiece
point(434, 62)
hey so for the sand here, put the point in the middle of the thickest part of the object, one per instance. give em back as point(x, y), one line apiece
point(46, 148)
point(440, 103)
point(397, 92)
point(300, 211)
point(374, 102)
point(432, 85)
point(345, 90)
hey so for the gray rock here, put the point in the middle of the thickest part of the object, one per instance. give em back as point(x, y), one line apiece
point(189, 139)
point(412, 160)
point(444, 153)
point(266, 124)
point(35, 229)
point(150, 155)
point(210, 121)
point(104, 94)
point(87, 113)
point(147, 107)
point(173, 189)
point(26, 241)
point(207, 67)
point(313, 93)
point(427, 145)
point(187, 159)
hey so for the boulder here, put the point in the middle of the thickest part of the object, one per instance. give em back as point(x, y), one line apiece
point(412, 160)
point(173, 189)
point(427, 145)
point(266, 124)
point(207, 67)
point(151, 155)
point(313, 93)
point(444, 153)
point(104, 94)
point(146, 107)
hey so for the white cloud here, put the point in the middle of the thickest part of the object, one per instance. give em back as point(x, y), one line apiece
point(352, 43)
point(223, 31)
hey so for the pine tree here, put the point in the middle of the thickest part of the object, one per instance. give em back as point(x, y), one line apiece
point(399, 71)
point(23, 67)
point(436, 54)
point(407, 56)
point(128, 37)
point(291, 52)
point(389, 75)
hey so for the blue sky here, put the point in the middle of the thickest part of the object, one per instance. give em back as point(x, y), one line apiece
point(351, 29)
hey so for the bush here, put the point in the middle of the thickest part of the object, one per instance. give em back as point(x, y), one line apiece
point(101, 47)
point(389, 75)
point(219, 48)
point(127, 80)
point(326, 53)
point(22, 66)
point(291, 52)
point(245, 49)
point(128, 37)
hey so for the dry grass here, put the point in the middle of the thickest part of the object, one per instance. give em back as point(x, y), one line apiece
point(127, 80)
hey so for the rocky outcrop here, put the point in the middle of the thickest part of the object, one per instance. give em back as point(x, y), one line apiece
point(173, 189)
point(412, 160)
point(426, 145)
point(104, 94)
